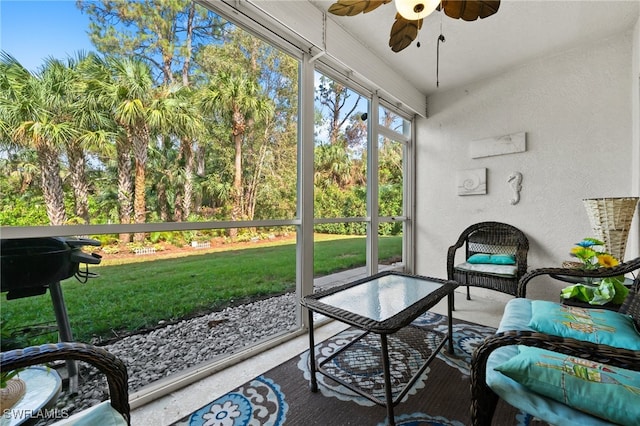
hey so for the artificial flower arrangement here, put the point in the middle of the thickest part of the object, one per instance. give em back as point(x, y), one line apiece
point(586, 252)
point(591, 255)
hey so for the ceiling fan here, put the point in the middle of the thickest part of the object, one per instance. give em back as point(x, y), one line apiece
point(410, 14)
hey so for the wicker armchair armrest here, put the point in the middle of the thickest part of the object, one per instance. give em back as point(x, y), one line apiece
point(621, 269)
point(112, 367)
point(484, 400)
point(451, 255)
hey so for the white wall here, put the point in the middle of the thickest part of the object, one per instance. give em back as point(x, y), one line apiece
point(634, 238)
point(575, 107)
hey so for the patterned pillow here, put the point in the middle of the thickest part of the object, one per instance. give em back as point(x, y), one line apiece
point(592, 325)
point(607, 392)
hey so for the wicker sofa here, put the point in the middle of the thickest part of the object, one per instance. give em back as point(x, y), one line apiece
point(115, 411)
point(489, 385)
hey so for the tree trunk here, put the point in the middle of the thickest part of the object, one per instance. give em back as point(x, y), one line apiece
point(178, 214)
point(200, 160)
point(188, 44)
point(189, 165)
point(252, 191)
point(163, 202)
point(125, 186)
point(236, 211)
point(52, 185)
point(140, 149)
point(77, 169)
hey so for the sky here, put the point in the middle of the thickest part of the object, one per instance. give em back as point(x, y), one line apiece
point(33, 30)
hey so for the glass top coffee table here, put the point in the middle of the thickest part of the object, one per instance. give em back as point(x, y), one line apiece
point(385, 305)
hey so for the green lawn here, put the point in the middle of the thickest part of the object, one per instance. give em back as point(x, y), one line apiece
point(134, 296)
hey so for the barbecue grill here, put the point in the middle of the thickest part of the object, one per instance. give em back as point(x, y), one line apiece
point(28, 266)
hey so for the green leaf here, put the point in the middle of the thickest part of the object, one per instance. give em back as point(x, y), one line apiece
point(595, 242)
point(620, 289)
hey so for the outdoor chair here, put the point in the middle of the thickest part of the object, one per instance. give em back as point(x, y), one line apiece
point(115, 411)
point(591, 374)
point(495, 257)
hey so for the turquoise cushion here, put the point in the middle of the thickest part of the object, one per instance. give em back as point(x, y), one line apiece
point(494, 259)
point(479, 258)
point(503, 259)
point(517, 314)
point(593, 325)
point(507, 271)
point(607, 392)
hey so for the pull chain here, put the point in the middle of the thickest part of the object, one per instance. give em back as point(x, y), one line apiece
point(440, 39)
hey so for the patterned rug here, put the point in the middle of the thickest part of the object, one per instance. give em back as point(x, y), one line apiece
point(440, 396)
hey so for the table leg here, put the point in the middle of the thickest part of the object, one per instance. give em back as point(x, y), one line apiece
point(449, 314)
point(64, 330)
point(386, 368)
point(312, 355)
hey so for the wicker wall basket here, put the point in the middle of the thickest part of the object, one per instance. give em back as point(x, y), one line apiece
point(611, 220)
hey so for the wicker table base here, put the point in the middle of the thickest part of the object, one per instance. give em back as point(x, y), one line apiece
point(383, 307)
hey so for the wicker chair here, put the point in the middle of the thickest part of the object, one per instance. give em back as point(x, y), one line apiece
point(491, 238)
point(484, 399)
point(108, 364)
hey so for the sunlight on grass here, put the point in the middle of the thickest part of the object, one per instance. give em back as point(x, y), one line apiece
point(137, 295)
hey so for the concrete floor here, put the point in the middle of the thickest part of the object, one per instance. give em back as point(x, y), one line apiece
point(485, 308)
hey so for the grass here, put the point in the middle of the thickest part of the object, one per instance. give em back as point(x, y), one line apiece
point(135, 296)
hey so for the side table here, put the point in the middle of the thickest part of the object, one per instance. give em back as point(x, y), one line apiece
point(43, 387)
point(383, 305)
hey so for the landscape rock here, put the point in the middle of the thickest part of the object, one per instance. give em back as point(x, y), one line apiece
point(176, 347)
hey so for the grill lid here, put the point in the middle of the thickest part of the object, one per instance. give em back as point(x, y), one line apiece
point(29, 265)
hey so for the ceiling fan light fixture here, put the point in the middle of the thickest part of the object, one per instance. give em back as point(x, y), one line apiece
point(412, 10)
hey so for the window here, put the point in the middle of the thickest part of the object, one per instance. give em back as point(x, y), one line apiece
point(209, 168)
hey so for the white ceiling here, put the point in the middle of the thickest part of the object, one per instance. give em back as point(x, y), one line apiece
point(519, 33)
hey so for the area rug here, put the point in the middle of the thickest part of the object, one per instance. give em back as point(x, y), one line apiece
point(441, 395)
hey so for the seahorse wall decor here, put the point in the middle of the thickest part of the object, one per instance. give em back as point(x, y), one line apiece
point(515, 179)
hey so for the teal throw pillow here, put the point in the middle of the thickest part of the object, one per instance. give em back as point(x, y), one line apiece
point(479, 258)
point(593, 325)
point(604, 391)
point(493, 259)
point(503, 259)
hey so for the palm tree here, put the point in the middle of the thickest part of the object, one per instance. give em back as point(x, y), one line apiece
point(173, 113)
point(65, 94)
point(332, 166)
point(125, 88)
point(92, 125)
point(163, 175)
point(237, 98)
point(29, 121)
point(101, 91)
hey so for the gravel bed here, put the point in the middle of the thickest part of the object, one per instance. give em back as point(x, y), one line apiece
point(161, 352)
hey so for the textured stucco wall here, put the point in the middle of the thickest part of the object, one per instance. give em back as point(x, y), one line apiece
point(575, 107)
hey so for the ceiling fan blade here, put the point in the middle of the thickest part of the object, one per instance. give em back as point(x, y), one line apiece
point(403, 32)
point(353, 7)
point(470, 10)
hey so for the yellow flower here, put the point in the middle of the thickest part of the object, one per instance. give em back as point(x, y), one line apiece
point(584, 254)
point(607, 260)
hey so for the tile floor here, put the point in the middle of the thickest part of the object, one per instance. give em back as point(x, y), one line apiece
point(486, 308)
